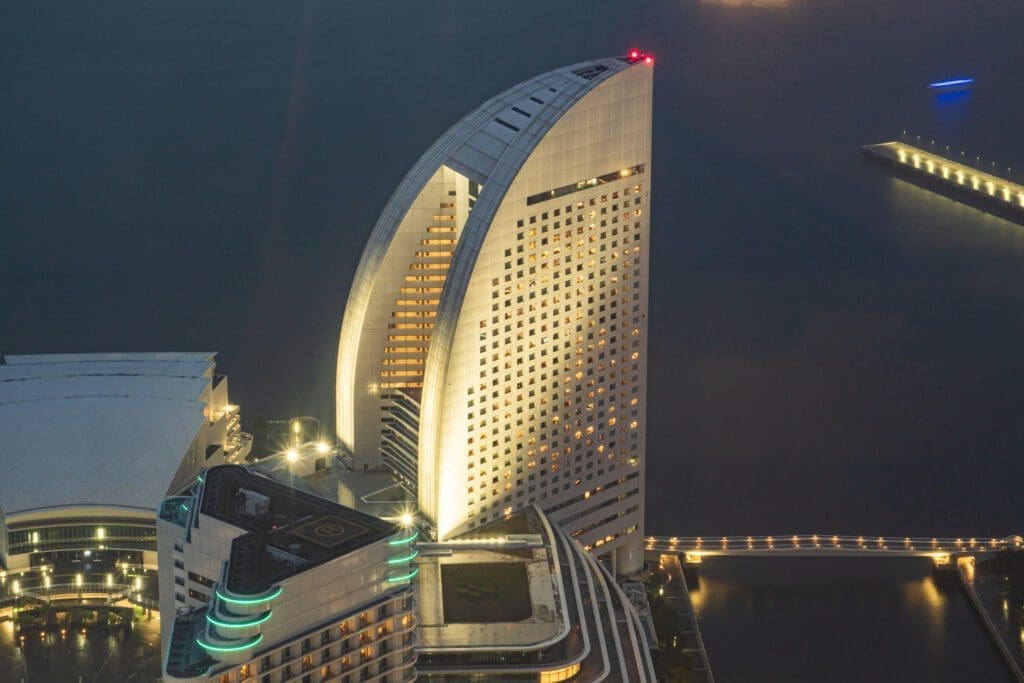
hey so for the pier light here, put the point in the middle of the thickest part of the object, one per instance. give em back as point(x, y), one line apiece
point(917, 161)
point(16, 587)
point(960, 177)
point(46, 582)
point(78, 579)
point(975, 182)
point(903, 155)
point(1020, 198)
point(945, 172)
point(991, 187)
point(930, 165)
point(1006, 193)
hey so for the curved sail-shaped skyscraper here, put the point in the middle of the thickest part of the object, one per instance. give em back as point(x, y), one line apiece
point(494, 346)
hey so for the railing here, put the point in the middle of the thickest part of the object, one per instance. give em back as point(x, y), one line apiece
point(812, 544)
point(137, 598)
point(974, 163)
point(63, 590)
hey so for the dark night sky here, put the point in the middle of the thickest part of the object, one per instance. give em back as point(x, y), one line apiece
point(827, 343)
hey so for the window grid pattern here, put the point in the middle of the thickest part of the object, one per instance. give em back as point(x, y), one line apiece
point(556, 417)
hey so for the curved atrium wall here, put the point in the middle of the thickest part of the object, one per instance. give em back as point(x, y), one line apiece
point(528, 379)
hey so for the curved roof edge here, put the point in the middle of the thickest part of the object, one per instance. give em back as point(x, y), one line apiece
point(484, 150)
point(80, 509)
point(128, 356)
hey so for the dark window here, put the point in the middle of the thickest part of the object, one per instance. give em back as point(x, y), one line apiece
point(583, 185)
point(507, 125)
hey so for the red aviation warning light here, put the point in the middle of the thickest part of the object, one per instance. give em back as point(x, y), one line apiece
point(635, 56)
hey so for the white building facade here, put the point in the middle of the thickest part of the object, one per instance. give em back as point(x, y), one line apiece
point(493, 350)
point(262, 582)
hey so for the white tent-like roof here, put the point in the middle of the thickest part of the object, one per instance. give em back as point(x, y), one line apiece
point(107, 429)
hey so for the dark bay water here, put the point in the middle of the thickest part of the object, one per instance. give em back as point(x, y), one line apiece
point(832, 350)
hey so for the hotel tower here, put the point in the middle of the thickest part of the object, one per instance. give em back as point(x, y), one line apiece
point(494, 347)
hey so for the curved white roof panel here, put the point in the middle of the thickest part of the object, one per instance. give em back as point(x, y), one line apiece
point(107, 429)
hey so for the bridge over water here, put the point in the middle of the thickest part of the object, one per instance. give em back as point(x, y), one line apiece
point(940, 550)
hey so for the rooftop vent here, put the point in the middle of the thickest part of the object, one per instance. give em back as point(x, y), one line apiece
point(590, 72)
point(256, 505)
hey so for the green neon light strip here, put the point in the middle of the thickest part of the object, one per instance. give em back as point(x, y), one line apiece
point(234, 648)
point(239, 624)
point(404, 577)
point(403, 541)
point(249, 601)
point(402, 560)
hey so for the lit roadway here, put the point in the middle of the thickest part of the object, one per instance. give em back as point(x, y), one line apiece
point(938, 549)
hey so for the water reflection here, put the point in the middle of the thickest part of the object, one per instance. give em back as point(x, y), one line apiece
point(837, 618)
point(931, 220)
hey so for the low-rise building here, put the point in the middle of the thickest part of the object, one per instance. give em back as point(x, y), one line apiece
point(89, 444)
point(519, 600)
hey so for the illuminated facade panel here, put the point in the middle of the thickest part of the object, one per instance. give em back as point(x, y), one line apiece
point(512, 370)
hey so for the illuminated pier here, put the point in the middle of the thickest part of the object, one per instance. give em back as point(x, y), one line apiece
point(940, 550)
point(982, 190)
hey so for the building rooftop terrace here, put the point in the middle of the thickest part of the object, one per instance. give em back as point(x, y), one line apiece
point(288, 531)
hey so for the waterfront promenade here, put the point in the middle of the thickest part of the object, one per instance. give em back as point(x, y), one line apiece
point(991, 604)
